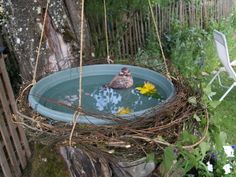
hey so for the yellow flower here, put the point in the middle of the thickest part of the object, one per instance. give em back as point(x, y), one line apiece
point(148, 88)
point(123, 110)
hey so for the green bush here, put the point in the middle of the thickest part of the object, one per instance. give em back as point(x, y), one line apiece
point(192, 49)
point(150, 55)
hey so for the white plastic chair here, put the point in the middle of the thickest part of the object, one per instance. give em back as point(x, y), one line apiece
point(223, 54)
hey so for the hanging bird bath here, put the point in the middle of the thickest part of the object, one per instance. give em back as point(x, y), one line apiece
point(56, 96)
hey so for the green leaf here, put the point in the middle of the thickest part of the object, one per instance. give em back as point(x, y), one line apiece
point(155, 2)
point(138, 85)
point(220, 140)
point(156, 95)
point(196, 117)
point(204, 148)
point(150, 157)
point(169, 158)
point(208, 92)
point(187, 138)
point(192, 100)
point(189, 160)
point(214, 104)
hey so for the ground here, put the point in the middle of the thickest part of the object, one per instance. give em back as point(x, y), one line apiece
point(46, 162)
point(226, 112)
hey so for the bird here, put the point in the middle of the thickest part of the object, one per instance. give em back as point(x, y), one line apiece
point(122, 80)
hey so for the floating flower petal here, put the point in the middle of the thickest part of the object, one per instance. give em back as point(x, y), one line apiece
point(147, 89)
point(123, 110)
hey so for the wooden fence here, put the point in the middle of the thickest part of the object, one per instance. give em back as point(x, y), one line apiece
point(14, 148)
point(127, 36)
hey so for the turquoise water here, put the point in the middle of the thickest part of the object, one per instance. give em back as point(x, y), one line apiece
point(95, 98)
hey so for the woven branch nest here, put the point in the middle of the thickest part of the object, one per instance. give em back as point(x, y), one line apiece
point(130, 139)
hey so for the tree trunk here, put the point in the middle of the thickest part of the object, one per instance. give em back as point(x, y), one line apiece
point(60, 44)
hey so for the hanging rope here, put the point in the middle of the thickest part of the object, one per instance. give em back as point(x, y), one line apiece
point(77, 113)
point(109, 61)
point(159, 40)
point(40, 43)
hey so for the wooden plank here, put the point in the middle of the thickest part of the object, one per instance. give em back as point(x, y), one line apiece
point(205, 15)
point(13, 105)
point(161, 23)
point(9, 145)
point(172, 13)
point(190, 14)
point(136, 33)
point(225, 13)
point(181, 11)
point(113, 32)
point(227, 7)
point(201, 15)
point(138, 30)
point(7, 83)
point(148, 24)
point(156, 14)
point(166, 17)
point(142, 29)
point(134, 37)
point(4, 164)
point(177, 9)
point(123, 46)
point(126, 45)
point(169, 16)
point(12, 128)
point(131, 40)
point(145, 21)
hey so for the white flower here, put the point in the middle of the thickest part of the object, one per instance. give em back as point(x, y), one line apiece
point(227, 168)
point(229, 151)
point(209, 166)
point(18, 40)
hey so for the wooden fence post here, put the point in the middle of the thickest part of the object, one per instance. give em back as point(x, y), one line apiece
point(194, 14)
point(14, 147)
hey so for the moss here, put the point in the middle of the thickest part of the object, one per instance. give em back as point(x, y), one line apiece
point(47, 162)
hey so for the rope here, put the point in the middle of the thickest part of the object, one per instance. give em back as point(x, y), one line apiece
point(40, 43)
point(109, 61)
point(77, 114)
point(159, 40)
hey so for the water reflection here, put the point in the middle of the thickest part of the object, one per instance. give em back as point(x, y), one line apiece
point(107, 99)
point(110, 100)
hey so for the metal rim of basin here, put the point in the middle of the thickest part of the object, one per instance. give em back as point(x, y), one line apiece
point(93, 70)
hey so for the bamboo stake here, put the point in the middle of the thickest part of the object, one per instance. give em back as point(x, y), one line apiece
point(159, 41)
point(131, 40)
point(136, 37)
point(138, 32)
point(142, 29)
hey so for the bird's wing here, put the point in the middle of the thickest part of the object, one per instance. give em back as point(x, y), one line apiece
point(116, 82)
